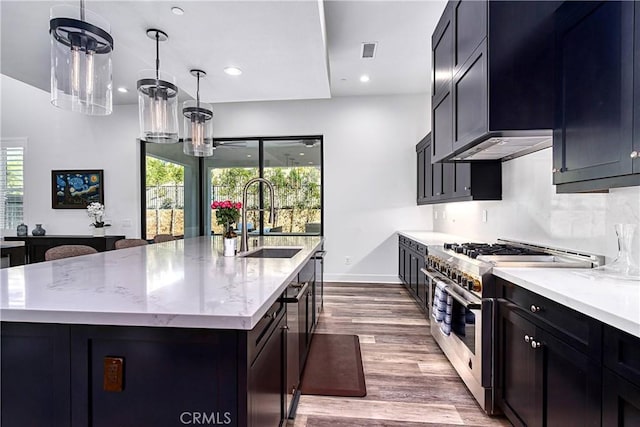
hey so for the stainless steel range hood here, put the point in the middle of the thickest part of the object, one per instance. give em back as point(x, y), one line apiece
point(505, 145)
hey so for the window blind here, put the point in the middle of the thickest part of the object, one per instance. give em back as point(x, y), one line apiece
point(11, 185)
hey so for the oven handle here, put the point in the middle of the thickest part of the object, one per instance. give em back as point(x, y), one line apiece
point(471, 305)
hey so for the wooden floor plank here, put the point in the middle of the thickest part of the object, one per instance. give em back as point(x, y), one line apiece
point(410, 383)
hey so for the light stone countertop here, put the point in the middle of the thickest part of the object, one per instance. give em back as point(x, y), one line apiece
point(182, 283)
point(615, 302)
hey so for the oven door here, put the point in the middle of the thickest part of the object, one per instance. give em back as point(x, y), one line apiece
point(462, 342)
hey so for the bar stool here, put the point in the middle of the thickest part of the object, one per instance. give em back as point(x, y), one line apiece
point(68, 251)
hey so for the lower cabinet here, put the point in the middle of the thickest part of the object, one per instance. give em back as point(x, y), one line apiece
point(83, 375)
point(266, 381)
point(558, 367)
point(544, 381)
point(411, 259)
point(620, 401)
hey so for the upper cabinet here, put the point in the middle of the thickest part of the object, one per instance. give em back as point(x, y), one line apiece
point(597, 118)
point(492, 79)
point(455, 182)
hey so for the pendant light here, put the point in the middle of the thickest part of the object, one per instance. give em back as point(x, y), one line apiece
point(80, 61)
point(158, 100)
point(198, 124)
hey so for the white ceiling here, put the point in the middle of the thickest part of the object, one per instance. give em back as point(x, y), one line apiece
point(282, 47)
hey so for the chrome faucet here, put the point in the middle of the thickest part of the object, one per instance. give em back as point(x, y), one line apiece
point(244, 241)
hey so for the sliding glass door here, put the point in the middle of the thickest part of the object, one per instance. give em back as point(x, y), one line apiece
point(178, 189)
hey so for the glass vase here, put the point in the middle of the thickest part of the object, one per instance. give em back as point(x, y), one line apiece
point(626, 266)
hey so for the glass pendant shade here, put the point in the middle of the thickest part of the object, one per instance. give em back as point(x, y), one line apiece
point(158, 100)
point(158, 107)
point(198, 129)
point(81, 48)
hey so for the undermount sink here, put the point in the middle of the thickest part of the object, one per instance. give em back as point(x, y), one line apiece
point(271, 253)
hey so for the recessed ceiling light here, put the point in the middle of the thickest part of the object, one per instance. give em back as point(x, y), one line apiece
point(123, 89)
point(233, 71)
point(302, 154)
point(310, 163)
point(248, 155)
point(364, 78)
point(177, 10)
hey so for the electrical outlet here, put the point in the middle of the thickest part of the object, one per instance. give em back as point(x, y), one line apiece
point(347, 260)
point(484, 215)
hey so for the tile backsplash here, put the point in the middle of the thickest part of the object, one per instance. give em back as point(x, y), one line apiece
point(531, 211)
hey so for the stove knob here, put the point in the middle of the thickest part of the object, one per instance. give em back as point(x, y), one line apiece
point(473, 254)
point(448, 245)
point(459, 249)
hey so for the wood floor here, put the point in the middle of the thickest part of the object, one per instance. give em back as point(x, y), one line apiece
point(409, 381)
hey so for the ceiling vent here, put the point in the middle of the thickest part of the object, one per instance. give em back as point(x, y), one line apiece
point(369, 50)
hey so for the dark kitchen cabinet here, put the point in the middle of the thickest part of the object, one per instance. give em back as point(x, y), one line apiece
point(549, 361)
point(453, 182)
point(35, 375)
point(596, 115)
point(411, 259)
point(499, 80)
point(266, 380)
point(621, 377)
point(621, 401)
point(60, 375)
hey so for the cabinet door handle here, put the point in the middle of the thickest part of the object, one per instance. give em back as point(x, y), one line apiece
point(285, 327)
point(554, 170)
point(467, 188)
point(527, 338)
point(535, 344)
point(534, 308)
point(634, 155)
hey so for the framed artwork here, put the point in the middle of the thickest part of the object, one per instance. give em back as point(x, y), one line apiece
point(75, 189)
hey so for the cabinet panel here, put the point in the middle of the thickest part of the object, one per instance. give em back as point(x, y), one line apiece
point(470, 19)
point(266, 382)
point(35, 375)
point(470, 99)
point(636, 90)
point(442, 142)
point(520, 390)
point(462, 180)
point(593, 125)
point(622, 354)
point(166, 373)
point(420, 196)
point(572, 383)
point(442, 54)
point(621, 401)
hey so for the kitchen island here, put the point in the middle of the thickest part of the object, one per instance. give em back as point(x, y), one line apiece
point(166, 334)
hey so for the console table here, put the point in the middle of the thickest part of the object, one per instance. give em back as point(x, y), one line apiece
point(36, 246)
point(14, 251)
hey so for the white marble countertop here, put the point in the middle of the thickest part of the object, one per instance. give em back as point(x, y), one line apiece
point(612, 301)
point(182, 283)
point(432, 237)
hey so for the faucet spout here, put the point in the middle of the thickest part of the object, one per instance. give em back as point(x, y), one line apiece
point(244, 241)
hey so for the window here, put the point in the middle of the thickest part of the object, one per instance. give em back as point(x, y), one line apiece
point(11, 182)
point(178, 189)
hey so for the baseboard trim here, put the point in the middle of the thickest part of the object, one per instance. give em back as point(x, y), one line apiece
point(362, 278)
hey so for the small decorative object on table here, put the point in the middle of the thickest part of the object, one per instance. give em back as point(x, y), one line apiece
point(95, 210)
point(228, 213)
point(38, 231)
point(22, 230)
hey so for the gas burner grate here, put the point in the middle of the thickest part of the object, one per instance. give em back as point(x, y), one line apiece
point(473, 250)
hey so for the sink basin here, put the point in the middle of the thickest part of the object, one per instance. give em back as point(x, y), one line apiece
point(272, 253)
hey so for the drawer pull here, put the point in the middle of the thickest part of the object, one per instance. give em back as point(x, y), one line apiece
point(534, 308)
point(535, 344)
point(527, 338)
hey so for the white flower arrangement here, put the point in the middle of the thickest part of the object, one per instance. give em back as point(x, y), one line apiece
point(95, 210)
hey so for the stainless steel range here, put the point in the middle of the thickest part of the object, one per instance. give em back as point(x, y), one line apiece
point(462, 301)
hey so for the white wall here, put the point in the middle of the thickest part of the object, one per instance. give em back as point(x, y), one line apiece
point(58, 139)
point(531, 211)
point(369, 165)
point(369, 171)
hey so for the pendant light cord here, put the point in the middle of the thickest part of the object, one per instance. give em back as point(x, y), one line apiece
point(157, 55)
point(82, 10)
point(198, 91)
